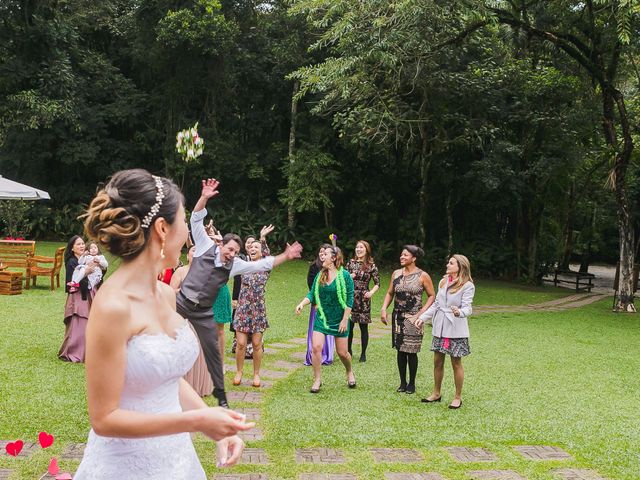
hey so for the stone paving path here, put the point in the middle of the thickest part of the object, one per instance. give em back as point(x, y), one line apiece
point(560, 304)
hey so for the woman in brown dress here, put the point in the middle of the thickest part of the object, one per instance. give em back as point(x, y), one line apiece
point(407, 285)
point(363, 270)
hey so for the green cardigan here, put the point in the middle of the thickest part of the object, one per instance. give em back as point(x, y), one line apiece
point(333, 311)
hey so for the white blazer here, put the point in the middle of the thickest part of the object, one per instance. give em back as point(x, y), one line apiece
point(445, 323)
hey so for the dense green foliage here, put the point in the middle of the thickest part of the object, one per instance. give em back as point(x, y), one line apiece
point(455, 125)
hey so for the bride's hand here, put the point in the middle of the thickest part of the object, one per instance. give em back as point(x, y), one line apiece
point(218, 423)
point(229, 451)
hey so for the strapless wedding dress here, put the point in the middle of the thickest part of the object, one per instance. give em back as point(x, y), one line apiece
point(155, 364)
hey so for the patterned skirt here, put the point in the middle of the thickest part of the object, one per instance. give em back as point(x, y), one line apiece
point(405, 336)
point(456, 347)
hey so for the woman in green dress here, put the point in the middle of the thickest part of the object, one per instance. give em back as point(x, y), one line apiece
point(332, 295)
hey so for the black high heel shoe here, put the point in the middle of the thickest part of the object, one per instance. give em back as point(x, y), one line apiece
point(410, 390)
point(426, 400)
point(453, 407)
point(402, 388)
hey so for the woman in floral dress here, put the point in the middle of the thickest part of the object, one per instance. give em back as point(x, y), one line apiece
point(251, 315)
point(363, 270)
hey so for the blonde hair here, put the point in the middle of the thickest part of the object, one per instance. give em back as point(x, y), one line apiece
point(464, 273)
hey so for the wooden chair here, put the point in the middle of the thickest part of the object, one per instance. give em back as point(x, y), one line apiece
point(51, 272)
point(18, 254)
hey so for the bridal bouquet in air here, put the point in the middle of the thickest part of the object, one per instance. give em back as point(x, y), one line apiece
point(189, 144)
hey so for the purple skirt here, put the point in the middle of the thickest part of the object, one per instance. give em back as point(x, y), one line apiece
point(76, 316)
point(329, 343)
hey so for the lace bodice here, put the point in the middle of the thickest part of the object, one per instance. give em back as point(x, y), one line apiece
point(155, 364)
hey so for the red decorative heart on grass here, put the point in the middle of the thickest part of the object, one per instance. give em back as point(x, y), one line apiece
point(53, 469)
point(14, 448)
point(45, 439)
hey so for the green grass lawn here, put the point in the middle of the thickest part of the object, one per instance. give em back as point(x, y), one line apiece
point(567, 379)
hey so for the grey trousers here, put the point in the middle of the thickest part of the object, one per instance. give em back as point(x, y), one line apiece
point(207, 330)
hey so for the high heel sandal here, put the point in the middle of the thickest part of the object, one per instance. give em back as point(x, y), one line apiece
point(237, 381)
point(455, 407)
point(315, 390)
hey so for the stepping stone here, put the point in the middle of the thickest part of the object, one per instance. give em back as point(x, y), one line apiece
point(472, 454)
point(377, 335)
point(495, 475)
point(73, 452)
point(253, 414)
point(47, 476)
point(271, 351)
point(319, 455)
point(286, 365)
point(396, 455)
point(298, 341)
point(5, 473)
point(251, 397)
point(254, 456)
point(327, 476)
point(413, 476)
point(252, 435)
point(27, 449)
point(240, 476)
point(542, 452)
point(282, 345)
point(275, 374)
point(299, 355)
point(248, 382)
point(578, 474)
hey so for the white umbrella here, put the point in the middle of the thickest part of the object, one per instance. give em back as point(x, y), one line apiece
point(10, 190)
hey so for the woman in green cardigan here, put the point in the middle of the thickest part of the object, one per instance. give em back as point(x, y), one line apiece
point(332, 295)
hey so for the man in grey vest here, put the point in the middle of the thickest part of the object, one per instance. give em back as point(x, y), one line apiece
point(210, 269)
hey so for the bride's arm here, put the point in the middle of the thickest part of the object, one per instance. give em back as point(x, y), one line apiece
point(108, 331)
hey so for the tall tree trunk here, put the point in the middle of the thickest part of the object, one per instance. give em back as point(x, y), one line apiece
point(613, 99)
point(425, 162)
point(567, 244)
point(291, 214)
point(449, 223)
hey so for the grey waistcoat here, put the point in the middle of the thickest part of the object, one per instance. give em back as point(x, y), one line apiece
point(204, 279)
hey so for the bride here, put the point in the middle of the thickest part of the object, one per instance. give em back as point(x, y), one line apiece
point(138, 348)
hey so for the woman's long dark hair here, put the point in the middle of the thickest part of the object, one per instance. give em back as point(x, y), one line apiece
point(68, 252)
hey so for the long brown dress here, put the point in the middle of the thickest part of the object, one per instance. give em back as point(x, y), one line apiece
point(408, 290)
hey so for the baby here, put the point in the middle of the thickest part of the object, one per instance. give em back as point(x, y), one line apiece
point(94, 278)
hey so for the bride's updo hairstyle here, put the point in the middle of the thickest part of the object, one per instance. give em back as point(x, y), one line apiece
point(121, 215)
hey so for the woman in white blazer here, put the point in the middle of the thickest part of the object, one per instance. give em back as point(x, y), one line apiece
point(450, 328)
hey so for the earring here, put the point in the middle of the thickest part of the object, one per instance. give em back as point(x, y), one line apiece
point(162, 250)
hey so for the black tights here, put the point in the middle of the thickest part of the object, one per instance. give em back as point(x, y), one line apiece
point(364, 336)
point(411, 359)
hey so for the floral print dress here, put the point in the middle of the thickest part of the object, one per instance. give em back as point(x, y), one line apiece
point(362, 275)
point(251, 314)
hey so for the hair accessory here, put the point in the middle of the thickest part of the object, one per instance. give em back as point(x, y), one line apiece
point(334, 239)
point(146, 221)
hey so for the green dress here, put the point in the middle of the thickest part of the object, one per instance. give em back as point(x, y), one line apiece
point(333, 311)
point(222, 311)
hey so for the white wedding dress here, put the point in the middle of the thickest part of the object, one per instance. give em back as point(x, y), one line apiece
point(155, 364)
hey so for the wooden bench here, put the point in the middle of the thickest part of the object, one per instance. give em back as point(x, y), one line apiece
point(18, 254)
point(52, 271)
point(581, 281)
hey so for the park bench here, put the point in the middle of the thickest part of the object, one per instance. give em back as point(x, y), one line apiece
point(18, 254)
point(581, 281)
point(49, 271)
